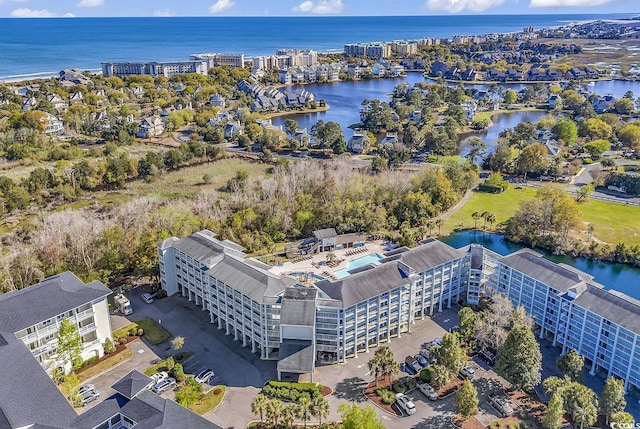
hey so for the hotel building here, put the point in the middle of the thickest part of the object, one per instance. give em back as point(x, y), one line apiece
point(380, 300)
point(216, 59)
point(166, 69)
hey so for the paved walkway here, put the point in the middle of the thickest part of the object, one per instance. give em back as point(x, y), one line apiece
point(457, 207)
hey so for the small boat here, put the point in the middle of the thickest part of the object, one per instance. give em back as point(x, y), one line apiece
point(592, 83)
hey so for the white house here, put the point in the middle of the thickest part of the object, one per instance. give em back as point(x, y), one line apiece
point(151, 126)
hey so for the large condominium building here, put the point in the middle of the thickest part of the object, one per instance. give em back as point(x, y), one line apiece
point(34, 315)
point(286, 58)
point(217, 59)
point(335, 319)
point(372, 50)
point(166, 69)
point(573, 311)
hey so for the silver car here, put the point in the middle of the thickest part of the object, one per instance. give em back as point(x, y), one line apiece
point(164, 385)
point(89, 396)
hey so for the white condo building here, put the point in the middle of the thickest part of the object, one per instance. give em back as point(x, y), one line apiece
point(336, 319)
point(166, 69)
point(217, 59)
point(48, 303)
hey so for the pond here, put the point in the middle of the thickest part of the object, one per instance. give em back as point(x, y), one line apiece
point(620, 277)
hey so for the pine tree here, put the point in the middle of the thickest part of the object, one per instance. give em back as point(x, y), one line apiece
point(571, 364)
point(555, 411)
point(467, 400)
point(519, 360)
point(613, 399)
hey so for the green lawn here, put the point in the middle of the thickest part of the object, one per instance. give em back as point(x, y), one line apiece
point(106, 364)
point(209, 401)
point(501, 205)
point(161, 365)
point(153, 332)
point(613, 223)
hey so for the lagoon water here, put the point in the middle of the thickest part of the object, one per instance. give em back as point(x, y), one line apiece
point(620, 277)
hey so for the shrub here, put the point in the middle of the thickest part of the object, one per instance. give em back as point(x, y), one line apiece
point(178, 372)
point(399, 386)
point(161, 294)
point(426, 374)
point(133, 331)
point(410, 382)
point(587, 161)
point(217, 391)
point(92, 359)
point(169, 363)
point(108, 346)
point(387, 395)
point(493, 189)
point(140, 332)
point(286, 391)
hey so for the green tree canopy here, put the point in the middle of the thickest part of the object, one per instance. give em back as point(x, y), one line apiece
point(69, 343)
point(566, 130)
point(572, 365)
point(613, 400)
point(467, 400)
point(357, 417)
point(519, 360)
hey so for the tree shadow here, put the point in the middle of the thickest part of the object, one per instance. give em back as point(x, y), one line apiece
point(440, 422)
point(484, 386)
point(350, 389)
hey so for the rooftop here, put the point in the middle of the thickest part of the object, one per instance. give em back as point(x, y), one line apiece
point(612, 305)
point(52, 296)
point(131, 384)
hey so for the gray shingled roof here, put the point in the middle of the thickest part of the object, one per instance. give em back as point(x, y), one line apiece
point(27, 394)
point(325, 233)
point(204, 247)
point(612, 305)
point(296, 356)
point(368, 282)
point(364, 285)
point(249, 280)
point(49, 298)
point(131, 384)
point(298, 307)
point(429, 255)
point(536, 266)
point(96, 415)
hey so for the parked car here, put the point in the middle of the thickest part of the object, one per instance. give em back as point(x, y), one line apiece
point(147, 297)
point(437, 341)
point(427, 390)
point(86, 388)
point(487, 356)
point(405, 403)
point(204, 376)
point(422, 360)
point(89, 396)
point(164, 385)
point(413, 363)
point(466, 373)
point(501, 404)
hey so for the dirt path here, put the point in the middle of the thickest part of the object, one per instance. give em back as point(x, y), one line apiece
point(457, 207)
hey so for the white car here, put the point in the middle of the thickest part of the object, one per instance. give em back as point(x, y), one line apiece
point(467, 372)
point(427, 390)
point(86, 388)
point(89, 396)
point(205, 376)
point(147, 297)
point(405, 403)
point(157, 378)
point(164, 385)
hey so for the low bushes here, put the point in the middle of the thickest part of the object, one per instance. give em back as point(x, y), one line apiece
point(291, 392)
point(426, 374)
point(388, 397)
point(404, 384)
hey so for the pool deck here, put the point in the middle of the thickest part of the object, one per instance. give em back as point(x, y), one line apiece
point(311, 265)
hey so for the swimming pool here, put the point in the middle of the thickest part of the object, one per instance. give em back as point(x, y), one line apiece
point(373, 258)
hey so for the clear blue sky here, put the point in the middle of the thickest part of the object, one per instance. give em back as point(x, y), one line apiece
point(79, 8)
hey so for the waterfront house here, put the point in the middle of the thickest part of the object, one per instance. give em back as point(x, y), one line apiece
point(151, 126)
point(302, 137)
point(439, 69)
point(358, 142)
point(554, 101)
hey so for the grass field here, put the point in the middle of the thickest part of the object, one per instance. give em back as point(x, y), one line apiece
point(189, 181)
point(209, 401)
point(162, 364)
point(613, 223)
point(153, 332)
point(501, 205)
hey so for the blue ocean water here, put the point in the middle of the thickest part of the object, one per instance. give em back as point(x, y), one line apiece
point(44, 46)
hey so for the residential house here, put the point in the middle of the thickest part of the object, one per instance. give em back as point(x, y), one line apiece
point(390, 142)
point(166, 111)
point(554, 101)
point(439, 69)
point(53, 124)
point(58, 103)
point(216, 100)
point(358, 142)
point(232, 130)
point(151, 126)
point(137, 91)
point(76, 98)
point(284, 76)
point(100, 121)
point(469, 108)
point(74, 77)
point(302, 137)
point(29, 103)
point(415, 117)
point(468, 74)
point(604, 104)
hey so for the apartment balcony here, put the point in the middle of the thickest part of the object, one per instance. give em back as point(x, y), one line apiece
point(84, 314)
point(87, 328)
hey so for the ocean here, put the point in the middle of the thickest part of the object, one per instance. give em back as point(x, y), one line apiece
point(44, 46)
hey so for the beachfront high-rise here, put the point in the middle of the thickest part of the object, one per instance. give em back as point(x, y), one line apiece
point(338, 318)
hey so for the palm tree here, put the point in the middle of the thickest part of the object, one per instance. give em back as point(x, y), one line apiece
point(388, 364)
point(430, 225)
point(484, 217)
point(259, 406)
point(374, 367)
point(320, 408)
point(491, 218)
point(304, 408)
point(289, 414)
point(439, 223)
point(274, 410)
point(475, 216)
